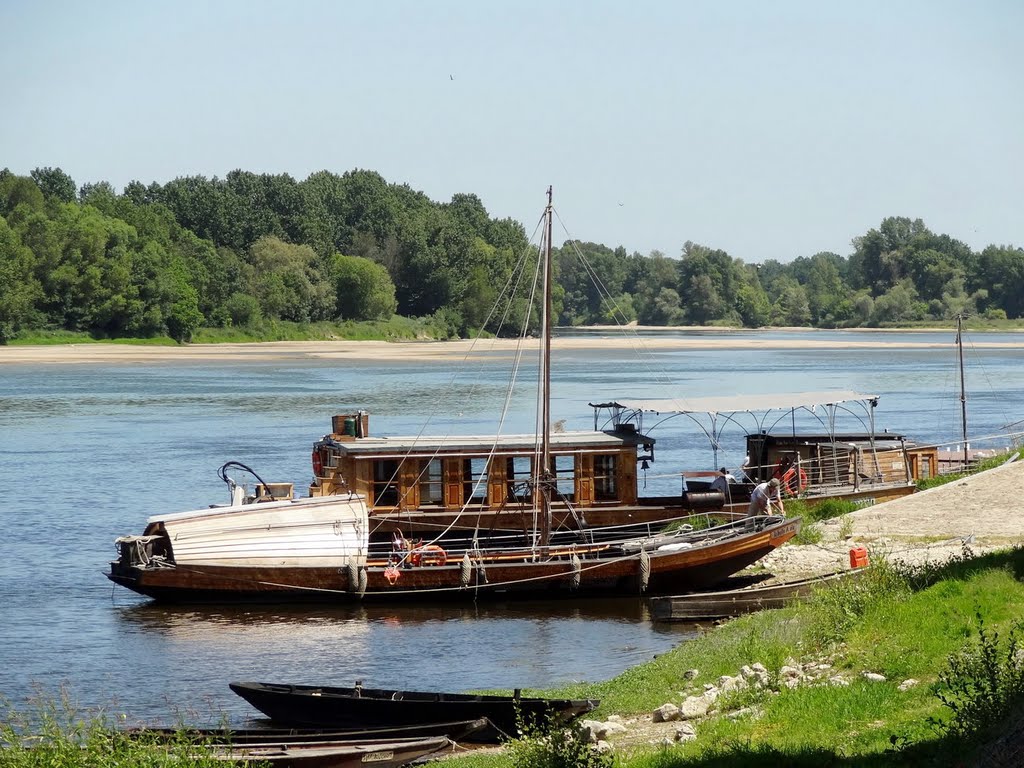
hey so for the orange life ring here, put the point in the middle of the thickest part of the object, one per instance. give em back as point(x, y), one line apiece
point(318, 463)
point(430, 554)
point(794, 483)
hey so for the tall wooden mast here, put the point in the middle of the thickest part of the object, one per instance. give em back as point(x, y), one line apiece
point(544, 475)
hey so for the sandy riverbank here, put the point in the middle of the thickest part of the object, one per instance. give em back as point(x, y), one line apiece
point(982, 511)
point(116, 354)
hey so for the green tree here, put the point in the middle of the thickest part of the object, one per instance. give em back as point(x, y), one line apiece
point(19, 289)
point(54, 184)
point(791, 307)
point(363, 288)
point(289, 284)
point(898, 304)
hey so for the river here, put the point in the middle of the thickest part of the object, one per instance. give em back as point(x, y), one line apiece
point(87, 452)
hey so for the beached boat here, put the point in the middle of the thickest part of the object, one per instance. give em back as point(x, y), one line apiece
point(331, 754)
point(360, 707)
point(456, 731)
point(330, 546)
point(720, 604)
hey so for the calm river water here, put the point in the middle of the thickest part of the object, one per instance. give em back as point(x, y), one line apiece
point(87, 452)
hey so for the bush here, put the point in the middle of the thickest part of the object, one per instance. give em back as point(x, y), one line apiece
point(982, 683)
point(553, 747)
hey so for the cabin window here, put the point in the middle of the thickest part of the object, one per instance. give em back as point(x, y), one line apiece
point(606, 476)
point(431, 483)
point(564, 470)
point(518, 475)
point(474, 481)
point(385, 483)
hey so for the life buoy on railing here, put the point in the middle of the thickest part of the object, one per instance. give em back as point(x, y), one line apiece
point(429, 554)
point(318, 463)
point(794, 481)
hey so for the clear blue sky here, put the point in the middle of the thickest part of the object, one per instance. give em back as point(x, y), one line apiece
point(768, 129)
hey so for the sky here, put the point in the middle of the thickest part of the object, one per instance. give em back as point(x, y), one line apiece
point(771, 130)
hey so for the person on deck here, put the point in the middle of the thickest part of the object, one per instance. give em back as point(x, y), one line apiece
point(762, 497)
point(721, 483)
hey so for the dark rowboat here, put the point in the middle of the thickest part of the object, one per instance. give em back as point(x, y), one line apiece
point(359, 707)
point(456, 731)
point(331, 754)
point(695, 606)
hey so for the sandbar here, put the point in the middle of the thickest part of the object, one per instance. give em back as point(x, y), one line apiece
point(116, 354)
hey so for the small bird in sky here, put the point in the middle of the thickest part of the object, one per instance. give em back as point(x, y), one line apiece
point(451, 77)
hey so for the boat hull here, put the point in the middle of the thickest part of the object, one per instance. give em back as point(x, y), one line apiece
point(327, 754)
point(722, 604)
point(567, 572)
point(369, 708)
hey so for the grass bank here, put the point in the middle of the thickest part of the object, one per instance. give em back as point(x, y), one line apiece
point(949, 628)
point(395, 329)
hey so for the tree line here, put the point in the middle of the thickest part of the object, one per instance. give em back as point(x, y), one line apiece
point(254, 248)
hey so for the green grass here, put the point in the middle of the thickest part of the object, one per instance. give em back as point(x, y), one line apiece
point(395, 329)
point(901, 622)
point(56, 734)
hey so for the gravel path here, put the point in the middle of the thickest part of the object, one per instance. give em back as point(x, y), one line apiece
point(985, 511)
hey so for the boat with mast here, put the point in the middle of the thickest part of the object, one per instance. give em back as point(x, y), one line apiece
point(269, 546)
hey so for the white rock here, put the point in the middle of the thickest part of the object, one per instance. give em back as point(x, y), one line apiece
point(666, 713)
point(694, 706)
point(590, 729)
point(686, 732)
point(727, 684)
point(613, 729)
point(838, 680)
point(907, 684)
point(739, 713)
point(603, 746)
point(614, 718)
point(874, 677)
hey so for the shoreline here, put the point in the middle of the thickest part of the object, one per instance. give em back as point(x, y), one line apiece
point(269, 351)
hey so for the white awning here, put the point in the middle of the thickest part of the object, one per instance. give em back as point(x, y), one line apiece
point(738, 403)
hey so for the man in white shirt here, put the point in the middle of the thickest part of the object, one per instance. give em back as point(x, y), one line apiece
point(763, 496)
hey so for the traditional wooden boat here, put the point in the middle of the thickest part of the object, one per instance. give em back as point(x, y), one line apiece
point(864, 466)
point(360, 707)
point(456, 731)
point(331, 754)
point(697, 606)
point(517, 514)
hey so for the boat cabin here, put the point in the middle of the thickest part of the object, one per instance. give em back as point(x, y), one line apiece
point(823, 461)
point(459, 472)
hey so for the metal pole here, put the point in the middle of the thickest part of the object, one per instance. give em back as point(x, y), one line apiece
point(963, 390)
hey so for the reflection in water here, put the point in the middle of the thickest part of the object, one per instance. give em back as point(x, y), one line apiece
point(427, 647)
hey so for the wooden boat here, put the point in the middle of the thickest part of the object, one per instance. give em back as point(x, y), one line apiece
point(331, 754)
point(864, 466)
point(518, 514)
point(456, 731)
point(360, 707)
point(696, 606)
